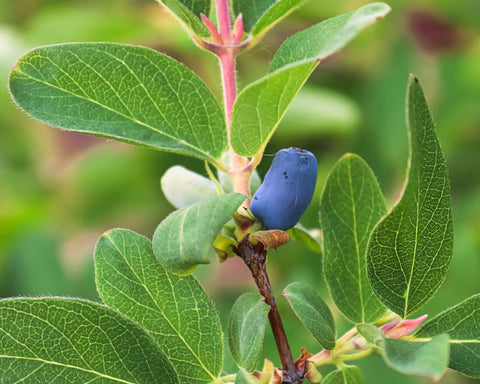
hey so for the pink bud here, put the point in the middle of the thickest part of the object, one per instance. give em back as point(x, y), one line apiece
point(404, 328)
point(237, 31)
point(216, 38)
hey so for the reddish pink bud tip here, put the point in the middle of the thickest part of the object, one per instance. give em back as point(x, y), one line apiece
point(237, 31)
point(387, 327)
point(404, 328)
point(216, 38)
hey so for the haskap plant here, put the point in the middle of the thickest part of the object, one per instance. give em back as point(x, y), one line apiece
point(157, 325)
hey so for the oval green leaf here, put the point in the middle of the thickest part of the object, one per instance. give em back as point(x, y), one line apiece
point(60, 340)
point(185, 238)
point(126, 93)
point(262, 104)
point(313, 312)
point(345, 375)
point(462, 323)
point(410, 249)
point(351, 205)
point(428, 359)
point(246, 329)
point(175, 310)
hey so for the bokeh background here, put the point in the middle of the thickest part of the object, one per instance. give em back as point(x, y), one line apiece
point(60, 191)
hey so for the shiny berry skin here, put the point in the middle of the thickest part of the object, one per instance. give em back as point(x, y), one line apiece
point(286, 190)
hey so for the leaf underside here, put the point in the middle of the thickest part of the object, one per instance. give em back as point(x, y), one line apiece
point(313, 312)
point(184, 239)
point(175, 310)
point(246, 330)
point(126, 93)
point(411, 248)
point(345, 375)
point(428, 359)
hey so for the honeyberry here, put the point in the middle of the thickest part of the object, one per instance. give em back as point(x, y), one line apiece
point(286, 190)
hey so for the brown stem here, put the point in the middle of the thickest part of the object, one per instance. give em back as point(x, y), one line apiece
point(255, 258)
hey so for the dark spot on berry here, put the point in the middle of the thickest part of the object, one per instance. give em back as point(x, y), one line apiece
point(255, 198)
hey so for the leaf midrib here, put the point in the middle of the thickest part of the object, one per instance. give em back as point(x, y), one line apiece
point(67, 366)
point(355, 236)
point(215, 379)
point(131, 118)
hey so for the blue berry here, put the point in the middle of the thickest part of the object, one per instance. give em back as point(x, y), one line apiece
point(286, 190)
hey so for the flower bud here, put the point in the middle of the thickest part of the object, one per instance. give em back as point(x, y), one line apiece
point(286, 190)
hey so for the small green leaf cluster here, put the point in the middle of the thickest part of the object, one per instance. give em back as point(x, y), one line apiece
point(156, 323)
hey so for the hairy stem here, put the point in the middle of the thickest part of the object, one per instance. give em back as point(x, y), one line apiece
point(255, 258)
point(227, 53)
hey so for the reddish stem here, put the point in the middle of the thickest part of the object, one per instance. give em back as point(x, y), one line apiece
point(255, 258)
point(223, 16)
point(227, 55)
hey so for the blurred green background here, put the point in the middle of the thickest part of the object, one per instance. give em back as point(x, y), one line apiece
point(60, 191)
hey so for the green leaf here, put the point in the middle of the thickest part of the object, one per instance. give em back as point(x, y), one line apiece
point(312, 312)
point(410, 249)
point(260, 15)
point(127, 93)
point(243, 377)
point(188, 13)
point(304, 237)
point(345, 375)
point(59, 340)
point(326, 38)
point(418, 358)
point(184, 239)
point(262, 104)
point(174, 310)
point(351, 205)
point(246, 329)
point(371, 333)
point(462, 323)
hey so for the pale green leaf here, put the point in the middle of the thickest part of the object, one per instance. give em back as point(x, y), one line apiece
point(188, 13)
point(246, 329)
point(183, 187)
point(327, 37)
point(261, 15)
point(345, 375)
point(304, 237)
point(174, 310)
point(262, 104)
point(372, 334)
point(462, 324)
point(410, 249)
point(70, 341)
point(243, 377)
point(313, 312)
point(351, 205)
point(418, 358)
point(127, 93)
point(184, 239)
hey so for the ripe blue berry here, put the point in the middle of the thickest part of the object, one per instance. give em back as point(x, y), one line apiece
point(286, 190)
